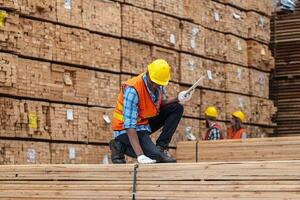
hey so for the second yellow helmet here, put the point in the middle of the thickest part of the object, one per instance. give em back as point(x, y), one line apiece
point(211, 111)
point(240, 115)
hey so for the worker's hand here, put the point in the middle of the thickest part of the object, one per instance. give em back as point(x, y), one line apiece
point(184, 97)
point(142, 159)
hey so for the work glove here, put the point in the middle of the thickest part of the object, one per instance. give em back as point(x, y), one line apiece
point(142, 159)
point(184, 97)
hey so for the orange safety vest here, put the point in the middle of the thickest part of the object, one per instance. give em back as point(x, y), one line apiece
point(146, 107)
point(217, 126)
point(236, 135)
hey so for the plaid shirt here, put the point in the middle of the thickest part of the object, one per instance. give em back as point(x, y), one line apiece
point(130, 108)
point(214, 134)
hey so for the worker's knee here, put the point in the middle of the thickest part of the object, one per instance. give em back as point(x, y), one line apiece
point(179, 108)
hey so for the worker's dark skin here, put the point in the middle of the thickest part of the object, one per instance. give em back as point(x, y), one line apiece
point(131, 132)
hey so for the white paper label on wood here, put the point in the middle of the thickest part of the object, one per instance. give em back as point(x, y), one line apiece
point(241, 103)
point(238, 45)
point(70, 115)
point(191, 64)
point(236, 16)
point(188, 134)
point(105, 159)
point(172, 39)
point(72, 153)
point(209, 75)
point(68, 78)
point(216, 16)
point(68, 4)
point(261, 79)
point(31, 155)
point(193, 43)
point(239, 74)
point(261, 22)
point(262, 51)
point(195, 31)
point(106, 119)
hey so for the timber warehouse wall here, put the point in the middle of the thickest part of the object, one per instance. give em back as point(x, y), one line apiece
point(63, 61)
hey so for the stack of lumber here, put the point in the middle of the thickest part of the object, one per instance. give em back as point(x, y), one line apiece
point(39, 152)
point(277, 148)
point(63, 62)
point(240, 180)
point(285, 81)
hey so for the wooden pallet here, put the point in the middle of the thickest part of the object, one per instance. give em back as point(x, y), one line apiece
point(285, 82)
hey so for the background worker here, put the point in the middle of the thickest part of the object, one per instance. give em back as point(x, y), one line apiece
point(142, 109)
point(236, 131)
point(214, 129)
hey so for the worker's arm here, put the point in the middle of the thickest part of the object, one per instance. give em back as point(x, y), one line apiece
point(130, 113)
point(169, 101)
point(181, 98)
point(134, 141)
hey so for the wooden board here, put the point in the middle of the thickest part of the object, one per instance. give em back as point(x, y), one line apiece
point(137, 23)
point(64, 122)
point(237, 79)
point(24, 152)
point(167, 31)
point(236, 21)
point(186, 152)
point(279, 148)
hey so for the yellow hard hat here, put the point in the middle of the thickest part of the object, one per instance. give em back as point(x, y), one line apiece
point(239, 114)
point(159, 72)
point(211, 111)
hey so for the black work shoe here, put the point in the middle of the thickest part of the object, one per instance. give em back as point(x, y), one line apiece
point(117, 156)
point(166, 156)
point(163, 150)
point(167, 159)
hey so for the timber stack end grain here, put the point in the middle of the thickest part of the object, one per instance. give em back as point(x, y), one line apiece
point(62, 64)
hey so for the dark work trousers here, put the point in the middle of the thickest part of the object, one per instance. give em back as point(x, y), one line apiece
point(168, 118)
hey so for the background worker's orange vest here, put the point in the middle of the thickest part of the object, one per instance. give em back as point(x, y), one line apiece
point(236, 135)
point(146, 107)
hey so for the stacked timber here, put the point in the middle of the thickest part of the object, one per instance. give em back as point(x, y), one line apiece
point(215, 180)
point(62, 64)
point(285, 81)
point(277, 148)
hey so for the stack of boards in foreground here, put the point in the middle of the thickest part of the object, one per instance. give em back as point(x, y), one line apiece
point(62, 64)
point(205, 181)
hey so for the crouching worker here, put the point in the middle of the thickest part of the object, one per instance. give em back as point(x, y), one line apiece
point(236, 131)
point(214, 129)
point(142, 109)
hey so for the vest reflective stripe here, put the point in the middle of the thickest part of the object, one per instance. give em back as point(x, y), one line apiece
point(119, 106)
point(121, 118)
